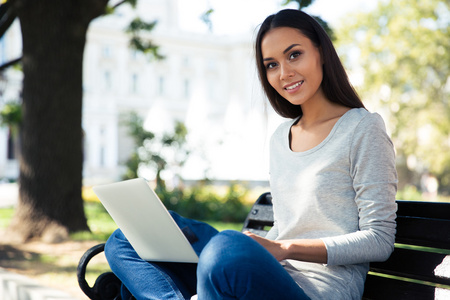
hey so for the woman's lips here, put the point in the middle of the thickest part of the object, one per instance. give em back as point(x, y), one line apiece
point(294, 87)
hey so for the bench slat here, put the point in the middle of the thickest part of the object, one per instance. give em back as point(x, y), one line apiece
point(260, 216)
point(424, 209)
point(412, 264)
point(420, 224)
point(382, 288)
point(262, 212)
point(423, 232)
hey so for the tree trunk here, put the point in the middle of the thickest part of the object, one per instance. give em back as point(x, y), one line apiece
point(53, 36)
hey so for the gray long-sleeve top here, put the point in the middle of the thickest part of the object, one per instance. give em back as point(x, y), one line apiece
point(341, 191)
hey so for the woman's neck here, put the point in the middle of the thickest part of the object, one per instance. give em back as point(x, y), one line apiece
point(319, 111)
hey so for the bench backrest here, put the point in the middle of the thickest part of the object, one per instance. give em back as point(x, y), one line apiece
point(260, 218)
point(416, 268)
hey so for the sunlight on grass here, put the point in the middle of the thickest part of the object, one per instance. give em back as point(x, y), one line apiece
point(99, 221)
point(48, 259)
point(6, 215)
point(102, 225)
point(60, 269)
point(220, 226)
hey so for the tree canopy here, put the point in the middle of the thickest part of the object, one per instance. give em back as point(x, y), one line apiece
point(403, 50)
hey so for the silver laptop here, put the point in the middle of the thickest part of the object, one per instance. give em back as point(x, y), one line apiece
point(145, 221)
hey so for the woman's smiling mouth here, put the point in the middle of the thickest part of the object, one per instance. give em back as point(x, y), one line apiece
point(294, 86)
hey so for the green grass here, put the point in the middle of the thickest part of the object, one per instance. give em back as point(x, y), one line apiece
point(6, 215)
point(101, 224)
point(99, 221)
point(61, 268)
point(220, 226)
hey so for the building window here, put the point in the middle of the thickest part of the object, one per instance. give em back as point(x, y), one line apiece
point(186, 62)
point(211, 65)
point(134, 83)
point(187, 88)
point(134, 54)
point(102, 150)
point(161, 86)
point(11, 149)
point(102, 156)
point(106, 52)
point(107, 80)
point(84, 146)
point(211, 89)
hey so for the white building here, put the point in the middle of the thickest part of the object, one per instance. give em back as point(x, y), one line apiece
point(10, 90)
point(209, 82)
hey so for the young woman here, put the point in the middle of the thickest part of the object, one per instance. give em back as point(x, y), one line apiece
point(333, 182)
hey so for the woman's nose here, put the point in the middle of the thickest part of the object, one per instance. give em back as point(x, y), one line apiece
point(286, 72)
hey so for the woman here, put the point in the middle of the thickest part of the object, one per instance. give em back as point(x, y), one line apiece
point(333, 182)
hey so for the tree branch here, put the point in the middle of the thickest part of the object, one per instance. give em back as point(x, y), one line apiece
point(10, 63)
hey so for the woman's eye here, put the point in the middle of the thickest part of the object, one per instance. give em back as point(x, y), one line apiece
point(295, 54)
point(271, 65)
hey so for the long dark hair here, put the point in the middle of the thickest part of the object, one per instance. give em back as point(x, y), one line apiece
point(335, 83)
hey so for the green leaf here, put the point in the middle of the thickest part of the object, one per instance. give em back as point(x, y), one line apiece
point(403, 51)
point(301, 3)
point(11, 114)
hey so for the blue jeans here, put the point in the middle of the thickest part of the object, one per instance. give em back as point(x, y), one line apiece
point(231, 266)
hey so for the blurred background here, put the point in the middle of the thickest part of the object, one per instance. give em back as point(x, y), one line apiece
point(396, 54)
point(167, 90)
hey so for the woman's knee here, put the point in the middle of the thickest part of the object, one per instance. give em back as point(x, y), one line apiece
point(114, 243)
point(228, 248)
point(231, 257)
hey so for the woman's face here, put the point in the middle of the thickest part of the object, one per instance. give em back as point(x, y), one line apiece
point(293, 65)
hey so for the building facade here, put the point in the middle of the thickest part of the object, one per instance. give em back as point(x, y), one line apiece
point(206, 81)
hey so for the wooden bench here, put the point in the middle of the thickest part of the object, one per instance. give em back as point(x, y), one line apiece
point(415, 270)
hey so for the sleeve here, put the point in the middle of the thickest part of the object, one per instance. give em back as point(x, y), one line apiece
point(372, 167)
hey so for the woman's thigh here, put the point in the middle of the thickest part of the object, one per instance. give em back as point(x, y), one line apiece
point(233, 265)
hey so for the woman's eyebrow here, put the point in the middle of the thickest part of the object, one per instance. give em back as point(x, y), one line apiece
point(290, 47)
point(284, 52)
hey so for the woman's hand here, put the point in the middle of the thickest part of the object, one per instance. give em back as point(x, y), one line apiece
point(276, 248)
point(310, 250)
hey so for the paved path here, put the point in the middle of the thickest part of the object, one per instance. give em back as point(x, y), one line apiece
point(9, 194)
point(17, 287)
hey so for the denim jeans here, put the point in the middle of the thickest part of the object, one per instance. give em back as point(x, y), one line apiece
point(231, 266)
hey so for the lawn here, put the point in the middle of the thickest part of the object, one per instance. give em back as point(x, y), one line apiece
point(56, 264)
point(102, 225)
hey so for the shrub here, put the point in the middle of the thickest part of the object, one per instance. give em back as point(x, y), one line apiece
point(203, 202)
